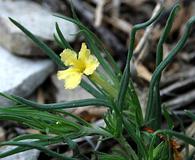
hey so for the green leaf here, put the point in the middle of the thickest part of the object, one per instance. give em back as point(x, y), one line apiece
point(164, 64)
point(40, 44)
point(90, 89)
point(168, 118)
point(124, 82)
point(58, 41)
point(78, 119)
point(63, 40)
point(131, 130)
point(63, 105)
point(154, 109)
point(39, 147)
point(31, 136)
point(135, 100)
point(41, 140)
point(101, 59)
point(104, 156)
point(161, 151)
point(41, 120)
point(190, 114)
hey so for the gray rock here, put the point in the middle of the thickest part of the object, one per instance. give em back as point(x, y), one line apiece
point(21, 76)
point(56, 6)
point(38, 20)
point(26, 155)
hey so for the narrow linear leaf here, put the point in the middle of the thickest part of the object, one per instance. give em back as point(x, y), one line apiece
point(80, 120)
point(164, 63)
point(131, 132)
point(156, 106)
point(58, 41)
point(40, 43)
point(95, 50)
point(63, 40)
point(39, 147)
point(126, 75)
point(42, 142)
point(103, 156)
point(31, 136)
point(190, 114)
point(63, 105)
point(168, 118)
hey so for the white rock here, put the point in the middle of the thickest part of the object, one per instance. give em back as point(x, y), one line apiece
point(35, 18)
point(21, 76)
point(26, 155)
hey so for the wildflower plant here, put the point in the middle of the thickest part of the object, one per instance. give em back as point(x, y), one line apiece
point(139, 136)
point(83, 63)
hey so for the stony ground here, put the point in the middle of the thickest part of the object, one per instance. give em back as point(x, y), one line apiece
point(27, 72)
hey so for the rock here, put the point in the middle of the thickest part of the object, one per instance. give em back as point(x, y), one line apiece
point(68, 95)
point(27, 155)
point(38, 20)
point(56, 6)
point(21, 76)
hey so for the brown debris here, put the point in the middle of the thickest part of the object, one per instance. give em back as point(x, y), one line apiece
point(90, 114)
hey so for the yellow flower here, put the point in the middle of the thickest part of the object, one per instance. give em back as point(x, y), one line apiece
point(83, 63)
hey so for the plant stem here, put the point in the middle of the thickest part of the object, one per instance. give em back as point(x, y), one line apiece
point(131, 155)
point(98, 79)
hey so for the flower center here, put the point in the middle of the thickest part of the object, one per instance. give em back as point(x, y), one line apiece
point(80, 65)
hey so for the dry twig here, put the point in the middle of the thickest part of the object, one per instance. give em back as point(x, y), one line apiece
point(116, 8)
point(146, 35)
point(99, 12)
point(141, 49)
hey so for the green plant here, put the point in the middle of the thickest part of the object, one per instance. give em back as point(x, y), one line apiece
point(124, 119)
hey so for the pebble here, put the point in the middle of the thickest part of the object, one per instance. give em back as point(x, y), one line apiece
point(21, 76)
point(35, 18)
point(26, 155)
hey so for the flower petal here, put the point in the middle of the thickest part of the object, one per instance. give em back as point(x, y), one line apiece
point(84, 53)
point(73, 81)
point(63, 74)
point(91, 65)
point(71, 76)
point(69, 57)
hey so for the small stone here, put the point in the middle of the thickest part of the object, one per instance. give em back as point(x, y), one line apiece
point(56, 6)
point(68, 95)
point(21, 76)
point(35, 18)
point(26, 155)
